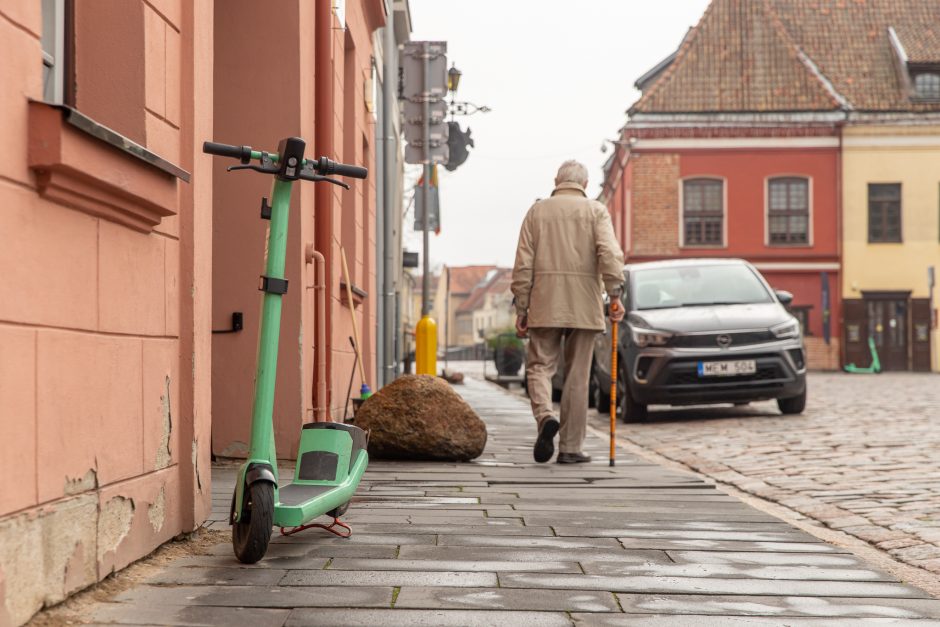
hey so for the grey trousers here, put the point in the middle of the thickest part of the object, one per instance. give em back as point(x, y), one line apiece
point(544, 355)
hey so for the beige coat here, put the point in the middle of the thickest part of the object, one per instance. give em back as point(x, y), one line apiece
point(567, 254)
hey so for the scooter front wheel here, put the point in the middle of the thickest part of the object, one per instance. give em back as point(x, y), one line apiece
point(252, 533)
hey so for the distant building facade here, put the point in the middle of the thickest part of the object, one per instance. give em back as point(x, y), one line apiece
point(487, 311)
point(760, 138)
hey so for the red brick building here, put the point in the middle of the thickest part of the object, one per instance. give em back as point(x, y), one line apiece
point(733, 151)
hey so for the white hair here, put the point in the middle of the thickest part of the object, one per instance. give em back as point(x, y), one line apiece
point(572, 171)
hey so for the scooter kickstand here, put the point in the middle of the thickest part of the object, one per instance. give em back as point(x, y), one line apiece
point(331, 528)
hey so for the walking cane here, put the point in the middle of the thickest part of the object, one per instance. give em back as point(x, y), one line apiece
point(613, 382)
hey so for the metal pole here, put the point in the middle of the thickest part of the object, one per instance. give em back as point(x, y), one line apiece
point(426, 188)
point(391, 216)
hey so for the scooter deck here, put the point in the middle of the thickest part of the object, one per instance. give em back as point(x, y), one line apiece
point(330, 464)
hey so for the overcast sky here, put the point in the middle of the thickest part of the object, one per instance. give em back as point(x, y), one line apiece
point(559, 76)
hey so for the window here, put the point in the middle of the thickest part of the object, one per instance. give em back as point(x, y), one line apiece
point(927, 85)
point(788, 211)
point(53, 51)
point(703, 212)
point(884, 212)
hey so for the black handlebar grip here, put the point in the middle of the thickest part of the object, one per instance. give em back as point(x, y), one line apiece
point(226, 150)
point(352, 171)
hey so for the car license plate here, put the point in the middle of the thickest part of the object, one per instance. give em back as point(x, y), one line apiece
point(726, 368)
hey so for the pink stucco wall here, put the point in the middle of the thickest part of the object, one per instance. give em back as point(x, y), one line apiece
point(104, 358)
point(242, 116)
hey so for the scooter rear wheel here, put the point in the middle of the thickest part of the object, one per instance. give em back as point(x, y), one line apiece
point(339, 511)
point(251, 534)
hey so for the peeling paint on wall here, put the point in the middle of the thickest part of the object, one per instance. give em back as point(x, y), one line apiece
point(156, 512)
point(114, 523)
point(81, 484)
point(46, 555)
point(163, 451)
point(5, 618)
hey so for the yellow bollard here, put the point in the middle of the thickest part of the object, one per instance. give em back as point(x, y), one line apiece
point(426, 349)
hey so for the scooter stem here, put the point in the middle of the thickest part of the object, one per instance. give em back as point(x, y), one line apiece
point(261, 444)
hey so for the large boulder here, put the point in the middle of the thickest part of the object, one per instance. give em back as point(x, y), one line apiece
point(421, 418)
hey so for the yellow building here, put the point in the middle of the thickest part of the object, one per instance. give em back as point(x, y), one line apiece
point(891, 242)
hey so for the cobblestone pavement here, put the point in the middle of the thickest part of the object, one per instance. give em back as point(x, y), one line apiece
point(504, 541)
point(864, 458)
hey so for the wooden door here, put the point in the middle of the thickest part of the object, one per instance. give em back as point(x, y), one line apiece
point(855, 332)
point(888, 323)
point(920, 334)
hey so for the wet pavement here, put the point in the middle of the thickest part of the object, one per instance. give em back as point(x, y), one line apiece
point(506, 541)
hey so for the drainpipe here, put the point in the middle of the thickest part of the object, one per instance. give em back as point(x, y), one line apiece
point(389, 189)
point(380, 217)
point(840, 127)
point(320, 410)
point(323, 144)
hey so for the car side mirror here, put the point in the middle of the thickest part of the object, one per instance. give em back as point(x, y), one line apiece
point(784, 297)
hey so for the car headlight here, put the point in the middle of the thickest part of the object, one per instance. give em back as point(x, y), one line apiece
point(790, 328)
point(649, 337)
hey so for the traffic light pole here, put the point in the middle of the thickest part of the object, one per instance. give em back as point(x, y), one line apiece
point(426, 332)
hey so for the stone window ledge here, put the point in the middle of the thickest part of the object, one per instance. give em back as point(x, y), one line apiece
point(84, 165)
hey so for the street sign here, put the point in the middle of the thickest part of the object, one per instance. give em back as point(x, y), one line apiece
point(434, 218)
point(424, 70)
point(413, 119)
point(415, 153)
point(413, 65)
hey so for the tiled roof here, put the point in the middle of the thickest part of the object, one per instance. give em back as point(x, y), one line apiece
point(498, 283)
point(464, 279)
point(797, 55)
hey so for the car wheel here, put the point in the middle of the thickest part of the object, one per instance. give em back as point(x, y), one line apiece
point(630, 410)
point(793, 405)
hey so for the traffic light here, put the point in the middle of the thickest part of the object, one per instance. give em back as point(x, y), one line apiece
point(458, 143)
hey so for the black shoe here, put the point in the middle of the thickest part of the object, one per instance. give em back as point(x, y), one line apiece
point(573, 458)
point(544, 445)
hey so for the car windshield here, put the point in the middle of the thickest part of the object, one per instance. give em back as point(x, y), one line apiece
point(696, 286)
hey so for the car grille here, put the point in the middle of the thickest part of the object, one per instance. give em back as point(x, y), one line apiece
point(710, 340)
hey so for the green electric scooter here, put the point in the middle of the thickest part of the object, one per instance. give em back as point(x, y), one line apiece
point(332, 456)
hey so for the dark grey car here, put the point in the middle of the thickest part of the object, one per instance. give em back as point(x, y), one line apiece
point(702, 331)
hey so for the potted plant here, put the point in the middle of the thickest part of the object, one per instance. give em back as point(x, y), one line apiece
point(508, 353)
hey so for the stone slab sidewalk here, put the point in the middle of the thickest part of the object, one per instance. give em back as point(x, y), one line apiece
point(505, 541)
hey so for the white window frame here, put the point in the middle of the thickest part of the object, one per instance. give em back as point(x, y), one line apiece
point(724, 212)
point(54, 58)
point(809, 227)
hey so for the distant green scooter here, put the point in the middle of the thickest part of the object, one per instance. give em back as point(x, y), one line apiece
point(875, 366)
point(332, 456)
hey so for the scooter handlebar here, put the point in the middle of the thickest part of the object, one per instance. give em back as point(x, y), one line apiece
point(226, 150)
point(323, 166)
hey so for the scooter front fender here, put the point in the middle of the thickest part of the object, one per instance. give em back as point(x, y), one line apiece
point(250, 473)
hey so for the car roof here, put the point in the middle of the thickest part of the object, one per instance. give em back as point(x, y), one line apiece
point(684, 263)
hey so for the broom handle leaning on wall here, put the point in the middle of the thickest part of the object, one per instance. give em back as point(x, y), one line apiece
point(352, 313)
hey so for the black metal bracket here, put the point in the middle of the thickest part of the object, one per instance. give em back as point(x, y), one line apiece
point(265, 209)
point(238, 323)
point(272, 285)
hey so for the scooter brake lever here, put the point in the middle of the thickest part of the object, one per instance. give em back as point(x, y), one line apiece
point(317, 178)
point(256, 168)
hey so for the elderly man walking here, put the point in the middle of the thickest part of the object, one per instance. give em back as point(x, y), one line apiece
point(567, 250)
